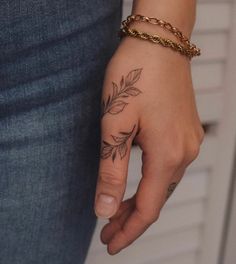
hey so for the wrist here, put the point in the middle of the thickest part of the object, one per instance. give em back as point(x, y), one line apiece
point(180, 13)
point(133, 49)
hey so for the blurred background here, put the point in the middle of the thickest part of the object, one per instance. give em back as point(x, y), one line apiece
point(198, 223)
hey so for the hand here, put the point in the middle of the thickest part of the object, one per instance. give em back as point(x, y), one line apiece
point(147, 97)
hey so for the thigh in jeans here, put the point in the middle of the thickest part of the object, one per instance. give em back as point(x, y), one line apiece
point(52, 60)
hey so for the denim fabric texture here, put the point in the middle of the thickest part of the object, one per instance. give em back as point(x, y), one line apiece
point(53, 55)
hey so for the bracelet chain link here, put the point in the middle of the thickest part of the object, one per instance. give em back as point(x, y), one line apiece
point(188, 49)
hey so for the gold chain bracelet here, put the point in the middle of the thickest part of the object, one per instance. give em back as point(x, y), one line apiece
point(163, 24)
point(190, 50)
point(159, 40)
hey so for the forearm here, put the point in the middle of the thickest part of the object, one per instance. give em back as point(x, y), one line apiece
point(180, 13)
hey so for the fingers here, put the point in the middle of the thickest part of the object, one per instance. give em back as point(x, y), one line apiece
point(117, 221)
point(162, 170)
point(151, 195)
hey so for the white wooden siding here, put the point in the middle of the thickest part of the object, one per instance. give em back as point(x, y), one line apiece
point(182, 234)
point(183, 258)
point(154, 248)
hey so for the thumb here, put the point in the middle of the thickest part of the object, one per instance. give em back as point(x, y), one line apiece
point(115, 152)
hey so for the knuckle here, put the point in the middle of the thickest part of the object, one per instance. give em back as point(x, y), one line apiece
point(180, 155)
point(193, 151)
point(152, 218)
point(201, 135)
point(184, 150)
point(111, 177)
point(149, 218)
point(174, 157)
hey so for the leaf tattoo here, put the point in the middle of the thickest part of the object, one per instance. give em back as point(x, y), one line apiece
point(115, 103)
point(118, 148)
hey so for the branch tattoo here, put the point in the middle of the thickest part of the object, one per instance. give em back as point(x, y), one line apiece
point(115, 104)
point(118, 147)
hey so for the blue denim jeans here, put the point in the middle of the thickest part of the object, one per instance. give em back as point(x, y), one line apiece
point(53, 55)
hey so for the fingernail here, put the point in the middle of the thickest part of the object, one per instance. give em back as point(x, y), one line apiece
point(105, 205)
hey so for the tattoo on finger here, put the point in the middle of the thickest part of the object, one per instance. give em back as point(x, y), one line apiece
point(119, 147)
point(171, 189)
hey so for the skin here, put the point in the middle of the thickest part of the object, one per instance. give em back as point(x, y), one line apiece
point(160, 116)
